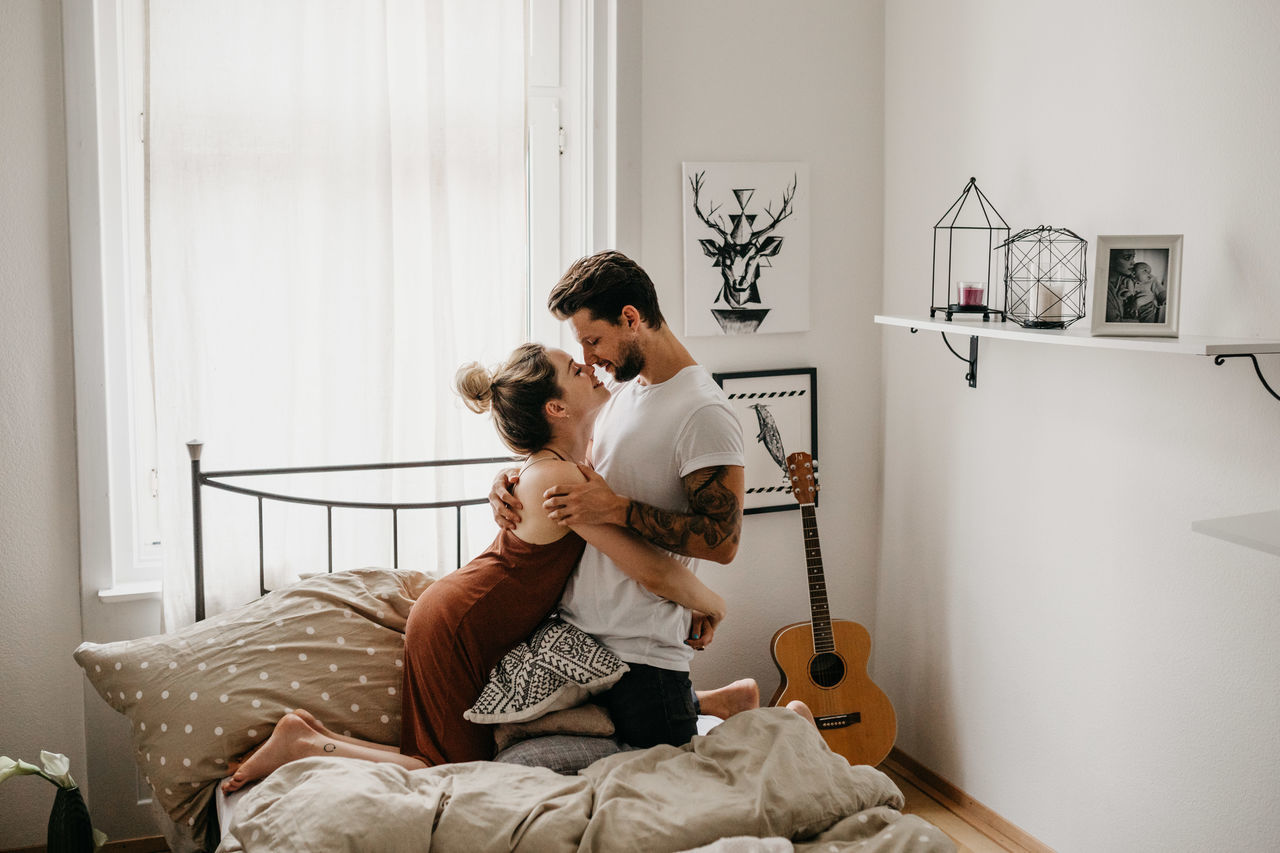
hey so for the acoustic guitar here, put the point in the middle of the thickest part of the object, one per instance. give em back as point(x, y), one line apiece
point(823, 662)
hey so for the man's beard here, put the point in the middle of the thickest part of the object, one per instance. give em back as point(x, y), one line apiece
point(631, 364)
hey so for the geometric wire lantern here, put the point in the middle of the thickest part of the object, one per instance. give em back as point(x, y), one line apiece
point(1045, 271)
point(970, 232)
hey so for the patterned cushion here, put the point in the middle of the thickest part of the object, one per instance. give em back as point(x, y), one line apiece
point(559, 667)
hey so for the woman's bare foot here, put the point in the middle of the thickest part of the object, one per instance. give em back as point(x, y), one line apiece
point(734, 698)
point(803, 710)
point(323, 730)
point(310, 719)
point(292, 738)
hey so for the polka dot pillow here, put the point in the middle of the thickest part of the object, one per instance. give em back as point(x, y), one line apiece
point(204, 695)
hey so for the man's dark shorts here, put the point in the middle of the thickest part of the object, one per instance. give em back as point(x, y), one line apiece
point(650, 706)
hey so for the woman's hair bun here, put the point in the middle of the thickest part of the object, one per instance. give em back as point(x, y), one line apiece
point(474, 384)
point(516, 393)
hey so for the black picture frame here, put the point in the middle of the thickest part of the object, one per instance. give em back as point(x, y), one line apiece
point(778, 410)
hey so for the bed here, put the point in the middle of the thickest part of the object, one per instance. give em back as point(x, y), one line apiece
point(201, 696)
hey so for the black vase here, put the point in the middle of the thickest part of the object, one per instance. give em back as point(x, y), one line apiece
point(70, 830)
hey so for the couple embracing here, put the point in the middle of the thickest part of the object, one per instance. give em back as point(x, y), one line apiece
point(626, 483)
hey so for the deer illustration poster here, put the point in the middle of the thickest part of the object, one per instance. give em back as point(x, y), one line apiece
point(746, 248)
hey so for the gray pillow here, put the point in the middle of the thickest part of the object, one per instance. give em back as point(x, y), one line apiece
point(565, 754)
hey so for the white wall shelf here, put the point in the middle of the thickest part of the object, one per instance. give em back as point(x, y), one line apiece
point(1257, 530)
point(1080, 337)
point(1260, 530)
point(1219, 348)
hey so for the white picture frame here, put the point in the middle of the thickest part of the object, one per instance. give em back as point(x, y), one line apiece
point(1137, 285)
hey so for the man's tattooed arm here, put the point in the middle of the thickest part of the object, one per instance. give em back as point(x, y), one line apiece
point(713, 524)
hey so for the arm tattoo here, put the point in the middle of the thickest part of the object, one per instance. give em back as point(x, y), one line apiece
point(714, 516)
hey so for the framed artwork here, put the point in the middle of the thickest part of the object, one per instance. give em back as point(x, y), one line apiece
point(778, 410)
point(746, 248)
point(1136, 286)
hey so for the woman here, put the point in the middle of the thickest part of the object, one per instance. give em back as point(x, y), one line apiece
point(544, 406)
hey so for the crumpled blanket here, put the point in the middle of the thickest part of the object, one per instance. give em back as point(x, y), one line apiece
point(763, 776)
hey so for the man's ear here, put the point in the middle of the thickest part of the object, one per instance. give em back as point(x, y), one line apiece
point(630, 317)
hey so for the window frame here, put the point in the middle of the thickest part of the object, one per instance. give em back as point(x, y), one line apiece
point(104, 185)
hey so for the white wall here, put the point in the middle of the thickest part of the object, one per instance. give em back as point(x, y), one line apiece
point(1058, 642)
point(765, 81)
point(41, 702)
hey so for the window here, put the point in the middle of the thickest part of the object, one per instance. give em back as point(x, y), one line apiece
point(105, 48)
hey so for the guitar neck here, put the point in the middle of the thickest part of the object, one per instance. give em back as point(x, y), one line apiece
point(820, 612)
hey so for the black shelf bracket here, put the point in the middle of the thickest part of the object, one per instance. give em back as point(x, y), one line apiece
point(972, 360)
point(1219, 359)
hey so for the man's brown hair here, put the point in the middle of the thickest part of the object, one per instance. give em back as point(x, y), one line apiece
point(605, 283)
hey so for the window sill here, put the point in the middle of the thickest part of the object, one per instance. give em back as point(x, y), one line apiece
point(140, 591)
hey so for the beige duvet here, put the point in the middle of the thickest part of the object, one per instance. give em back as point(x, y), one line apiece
point(762, 781)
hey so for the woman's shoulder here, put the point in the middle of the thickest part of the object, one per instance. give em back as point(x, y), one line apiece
point(545, 473)
point(536, 526)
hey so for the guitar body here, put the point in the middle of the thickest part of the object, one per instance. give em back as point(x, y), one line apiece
point(854, 716)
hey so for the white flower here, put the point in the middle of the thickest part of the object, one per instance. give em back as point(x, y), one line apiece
point(9, 767)
point(57, 768)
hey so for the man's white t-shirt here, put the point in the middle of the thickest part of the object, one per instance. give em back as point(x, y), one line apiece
point(647, 438)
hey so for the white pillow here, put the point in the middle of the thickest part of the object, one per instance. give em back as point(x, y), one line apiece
point(560, 666)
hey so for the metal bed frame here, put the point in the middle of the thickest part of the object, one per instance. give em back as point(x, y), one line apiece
point(215, 480)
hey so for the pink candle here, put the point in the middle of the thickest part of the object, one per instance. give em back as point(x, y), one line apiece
point(972, 292)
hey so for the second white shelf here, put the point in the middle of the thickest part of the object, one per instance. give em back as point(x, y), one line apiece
point(1260, 530)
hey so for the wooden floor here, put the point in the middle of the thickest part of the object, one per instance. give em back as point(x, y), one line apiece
point(969, 823)
point(967, 838)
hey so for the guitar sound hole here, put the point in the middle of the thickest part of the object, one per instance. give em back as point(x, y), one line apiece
point(826, 669)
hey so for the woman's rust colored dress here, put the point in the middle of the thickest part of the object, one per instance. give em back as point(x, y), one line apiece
point(460, 627)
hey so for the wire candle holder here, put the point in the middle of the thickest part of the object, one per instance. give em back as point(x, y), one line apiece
point(965, 260)
point(1045, 275)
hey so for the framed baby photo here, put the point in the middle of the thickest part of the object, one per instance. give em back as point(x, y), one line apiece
point(778, 410)
point(1136, 285)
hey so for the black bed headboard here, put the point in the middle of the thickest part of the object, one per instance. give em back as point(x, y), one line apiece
point(217, 480)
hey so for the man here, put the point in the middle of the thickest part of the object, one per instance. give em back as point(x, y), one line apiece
point(668, 460)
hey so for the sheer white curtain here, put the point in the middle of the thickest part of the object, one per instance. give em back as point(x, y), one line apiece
point(337, 200)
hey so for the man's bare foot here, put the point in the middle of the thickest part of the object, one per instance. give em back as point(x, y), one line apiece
point(291, 739)
point(734, 698)
point(803, 710)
